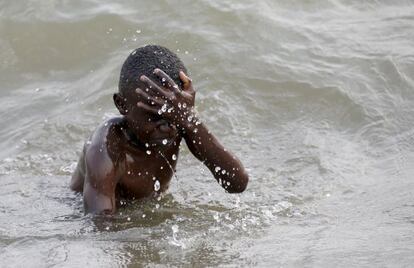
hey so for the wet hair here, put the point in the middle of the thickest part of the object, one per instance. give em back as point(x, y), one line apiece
point(143, 61)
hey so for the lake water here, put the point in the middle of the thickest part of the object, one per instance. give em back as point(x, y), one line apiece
point(315, 97)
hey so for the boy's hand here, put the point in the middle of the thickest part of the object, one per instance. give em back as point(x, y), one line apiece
point(168, 100)
point(176, 106)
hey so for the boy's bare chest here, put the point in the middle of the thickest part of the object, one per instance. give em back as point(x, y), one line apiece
point(145, 176)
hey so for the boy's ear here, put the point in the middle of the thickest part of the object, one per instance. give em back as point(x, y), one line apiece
point(120, 104)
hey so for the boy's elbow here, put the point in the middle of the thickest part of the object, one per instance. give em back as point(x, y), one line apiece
point(241, 184)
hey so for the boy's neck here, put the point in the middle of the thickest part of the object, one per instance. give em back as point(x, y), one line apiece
point(132, 138)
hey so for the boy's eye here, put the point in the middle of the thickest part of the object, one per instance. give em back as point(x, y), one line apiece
point(154, 118)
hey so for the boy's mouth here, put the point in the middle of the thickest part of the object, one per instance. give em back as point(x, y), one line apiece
point(164, 134)
point(163, 141)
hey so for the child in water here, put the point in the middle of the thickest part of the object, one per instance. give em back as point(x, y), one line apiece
point(131, 156)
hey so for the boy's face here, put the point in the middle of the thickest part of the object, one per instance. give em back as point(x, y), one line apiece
point(149, 128)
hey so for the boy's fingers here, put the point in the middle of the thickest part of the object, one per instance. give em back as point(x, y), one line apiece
point(142, 93)
point(186, 81)
point(147, 108)
point(153, 87)
point(150, 99)
point(166, 79)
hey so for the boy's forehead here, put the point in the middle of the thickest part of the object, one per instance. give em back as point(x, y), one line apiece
point(130, 90)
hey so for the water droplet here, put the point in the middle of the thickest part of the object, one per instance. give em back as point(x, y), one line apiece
point(184, 105)
point(148, 152)
point(223, 171)
point(157, 206)
point(138, 31)
point(179, 105)
point(164, 141)
point(186, 52)
point(174, 228)
point(107, 228)
point(164, 108)
point(143, 215)
point(146, 145)
point(153, 178)
point(161, 167)
point(157, 186)
point(174, 157)
point(217, 169)
point(216, 217)
point(129, 172)
point(128, 219)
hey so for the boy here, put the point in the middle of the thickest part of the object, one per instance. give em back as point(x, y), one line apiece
point(133, 155)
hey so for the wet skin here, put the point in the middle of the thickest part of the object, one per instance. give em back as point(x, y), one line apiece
point(130, 155)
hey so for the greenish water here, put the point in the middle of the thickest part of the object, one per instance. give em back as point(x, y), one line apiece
point(315, 97)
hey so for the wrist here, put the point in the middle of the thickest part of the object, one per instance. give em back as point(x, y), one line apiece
point(189, 123)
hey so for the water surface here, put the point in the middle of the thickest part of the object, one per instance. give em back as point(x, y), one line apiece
point(315, 97)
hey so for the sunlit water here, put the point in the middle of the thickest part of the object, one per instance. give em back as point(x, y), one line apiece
point(315, 97)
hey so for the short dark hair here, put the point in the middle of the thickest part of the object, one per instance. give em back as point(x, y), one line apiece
point(143, 61)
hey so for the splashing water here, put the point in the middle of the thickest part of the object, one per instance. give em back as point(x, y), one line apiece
point(157, 186)
point(169, 165)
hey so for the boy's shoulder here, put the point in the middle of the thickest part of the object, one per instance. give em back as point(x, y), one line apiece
point(106, 130)
point(106, 138)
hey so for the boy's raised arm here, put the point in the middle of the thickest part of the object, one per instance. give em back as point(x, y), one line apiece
point(176, 106)
point(226, 168)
